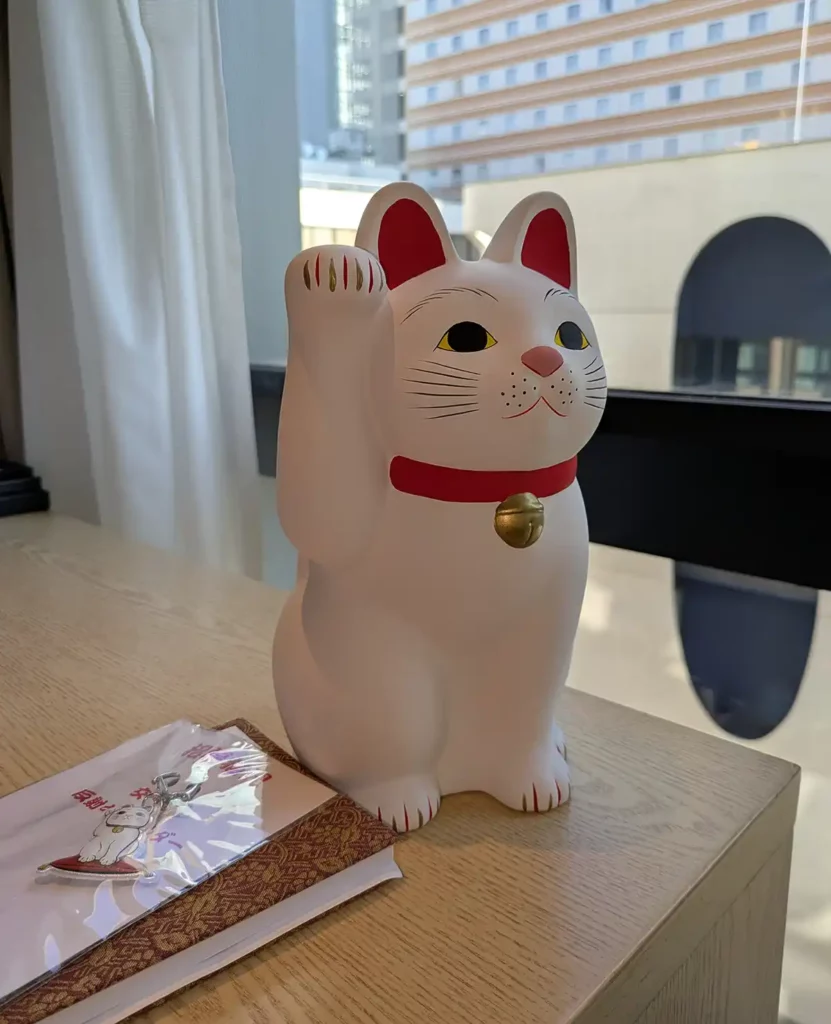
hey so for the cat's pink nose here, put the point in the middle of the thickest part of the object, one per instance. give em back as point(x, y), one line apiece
point(542, 360)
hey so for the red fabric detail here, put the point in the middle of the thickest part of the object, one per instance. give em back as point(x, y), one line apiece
point(408, 243)
point(121, 867)
point(442, 483)
point(545, 248)
point(542, 360)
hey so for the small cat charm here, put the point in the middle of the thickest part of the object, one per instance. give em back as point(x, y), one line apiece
point(432, 415)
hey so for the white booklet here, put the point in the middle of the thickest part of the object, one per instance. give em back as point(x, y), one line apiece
point(89, 852)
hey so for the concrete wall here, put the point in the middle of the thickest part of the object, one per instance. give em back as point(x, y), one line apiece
point(640, 227)
point(258, 63)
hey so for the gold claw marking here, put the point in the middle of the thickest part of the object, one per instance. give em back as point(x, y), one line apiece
point(333, 277)
point(307, 277)
point(359, 275)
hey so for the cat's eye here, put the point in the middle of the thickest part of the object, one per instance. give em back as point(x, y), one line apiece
point(570, 336)
point(467, 337)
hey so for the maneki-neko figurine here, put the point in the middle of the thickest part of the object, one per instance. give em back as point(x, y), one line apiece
point(432, 415)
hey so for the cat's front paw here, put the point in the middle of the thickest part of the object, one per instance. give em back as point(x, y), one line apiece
point(538, 784)
point(341, 275)
point(406, 803)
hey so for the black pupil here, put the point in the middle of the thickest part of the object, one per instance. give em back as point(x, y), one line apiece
point(570, 335)
point(467, 337)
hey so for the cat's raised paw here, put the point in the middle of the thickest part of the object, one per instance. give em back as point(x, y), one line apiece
point(405, 804)
point(337, 271)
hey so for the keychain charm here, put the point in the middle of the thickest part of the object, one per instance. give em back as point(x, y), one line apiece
point(107, 853)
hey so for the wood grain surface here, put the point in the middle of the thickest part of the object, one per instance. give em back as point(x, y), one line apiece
point(585, 914)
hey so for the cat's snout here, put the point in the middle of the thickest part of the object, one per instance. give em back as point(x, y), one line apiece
point(542, 360)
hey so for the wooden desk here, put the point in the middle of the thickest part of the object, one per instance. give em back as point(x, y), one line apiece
point(658, 895)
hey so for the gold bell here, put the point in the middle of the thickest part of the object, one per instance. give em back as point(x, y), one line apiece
point(519, 520)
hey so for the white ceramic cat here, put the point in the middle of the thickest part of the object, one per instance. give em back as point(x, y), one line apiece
point(420, 654)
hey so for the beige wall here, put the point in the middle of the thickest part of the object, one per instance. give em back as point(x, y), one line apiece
point(640, 226)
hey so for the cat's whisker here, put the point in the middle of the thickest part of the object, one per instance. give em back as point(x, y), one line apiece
point(439, 394)
point(438, 373)
point(600, 387)
point(450, 366)
point(454, 405)
point(438, 383)
point(595, 405)
point(591, 364)
point(599, 372)
point(444, 415)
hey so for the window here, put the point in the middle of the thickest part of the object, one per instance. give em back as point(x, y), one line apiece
point(434, 174)
point(607, 6)
point(483, 82)
point(456, 175)
point(603, 107)
point(712, 88)
point(674, 94)
point(572, 63)
point(568, 158)
point(482, 172)
point(634, 151)
point(570, 112)
point(456, 133)
point(758, 23)
point(795, 72)
point(639, 49)
point(715, 32)
point(401, 105)
point(539, 164)
point(456, 3)
point(456, 43)
point(510, 122)
point(539, 118)
point(511, 76)
point(432, 6)
point(484, 126)
point(484, 36)
point(604, 56)
point(671, 147)
point(431, 136)
point(800, 13)
point(541, 21)
point(573, 13)
point(512, 29)
point(458, 87)
point(432, 50)
point(750, 134)
point(601, 155)
point(676, 40)
point(753, 80)
point(401, 20)
point(637, 100)
point(432, 93)
point(541, 69)
point(710, 140)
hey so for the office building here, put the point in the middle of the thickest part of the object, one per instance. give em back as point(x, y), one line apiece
point(544, 88)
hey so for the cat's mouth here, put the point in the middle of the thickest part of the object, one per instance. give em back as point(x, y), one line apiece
point(531, 408)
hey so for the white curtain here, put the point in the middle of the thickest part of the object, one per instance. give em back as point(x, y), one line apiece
point(146, 193)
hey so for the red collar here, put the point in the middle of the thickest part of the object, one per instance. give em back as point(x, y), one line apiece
point(445, 484)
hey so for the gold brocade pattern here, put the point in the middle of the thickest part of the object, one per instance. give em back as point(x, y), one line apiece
point(340, 833)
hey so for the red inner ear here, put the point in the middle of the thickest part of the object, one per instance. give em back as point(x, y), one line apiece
point(408, 243)
point(545, 248)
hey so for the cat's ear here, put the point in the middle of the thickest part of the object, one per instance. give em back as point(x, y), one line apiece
point(539, 234)
point(402, 226)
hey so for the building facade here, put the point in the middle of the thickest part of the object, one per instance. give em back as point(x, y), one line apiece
point(501, 89)
point(370, 80)
point(317, 86)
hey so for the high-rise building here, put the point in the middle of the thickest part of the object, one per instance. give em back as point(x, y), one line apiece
point(370, 79)
point(546, 87)
point(317, 86)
